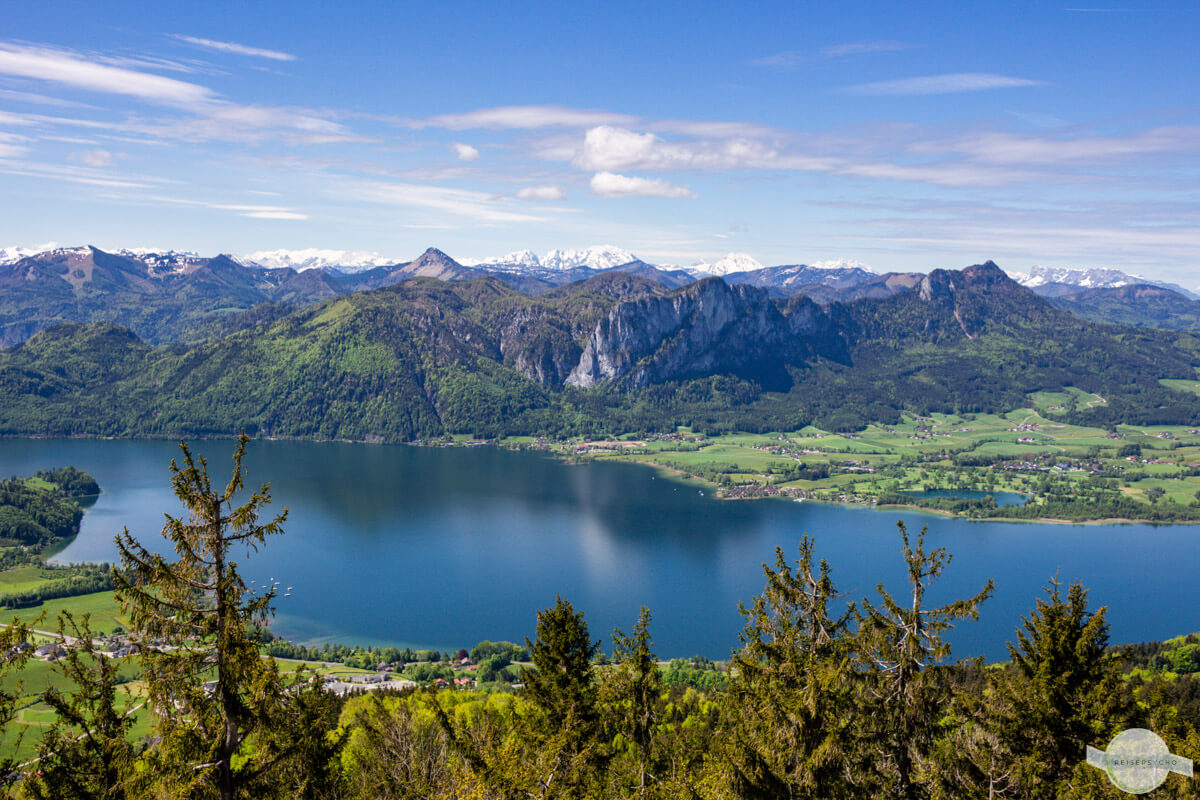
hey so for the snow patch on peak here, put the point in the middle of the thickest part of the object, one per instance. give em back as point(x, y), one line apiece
point(519, 258)
point(1086, 278)
point(842, 263)
point(727, 264)
point(10, 255)
point(315, 258)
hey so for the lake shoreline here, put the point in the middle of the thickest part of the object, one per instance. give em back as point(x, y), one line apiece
point(671, 473)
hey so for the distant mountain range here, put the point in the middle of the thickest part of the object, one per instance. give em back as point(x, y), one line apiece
point(443, 348)
point(1050, 280)
point(170, 295)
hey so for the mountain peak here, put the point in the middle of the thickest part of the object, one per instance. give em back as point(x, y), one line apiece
point(842, 263)
point(727, 264)
point(316, 258)
point(598, 256)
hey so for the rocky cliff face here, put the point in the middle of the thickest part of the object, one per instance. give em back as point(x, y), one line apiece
point(709, 327)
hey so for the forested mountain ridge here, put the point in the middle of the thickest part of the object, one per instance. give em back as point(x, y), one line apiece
point(612, 354)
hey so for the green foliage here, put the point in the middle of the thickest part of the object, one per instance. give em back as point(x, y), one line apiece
point(790, 696)
point(71, 482)
point(201, 611)
point(86, 754)
point(902, 649)
point(35, 517)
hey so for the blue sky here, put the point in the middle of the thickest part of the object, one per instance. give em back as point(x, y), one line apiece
point(905, 136)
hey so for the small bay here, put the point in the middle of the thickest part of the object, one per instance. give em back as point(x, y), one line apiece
point(432, 547)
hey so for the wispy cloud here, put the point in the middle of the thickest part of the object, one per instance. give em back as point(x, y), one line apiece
point(40, 99)
point(542, 193)
point(85, 176)
point(790, 59)
point(251, 211)
point(94, 158)
point(474, 205)
point(464, 152)
point(1006, 148)
point(524, 118)
point(210, 117)
point(942, 84)
point(610, 184)
point(233, 47)
point(64, 67)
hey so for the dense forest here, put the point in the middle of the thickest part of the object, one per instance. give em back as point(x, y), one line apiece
point(823, 698)
point(42, 511)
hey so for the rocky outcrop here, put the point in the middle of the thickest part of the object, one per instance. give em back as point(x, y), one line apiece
point(538, 345)
point(707, 328)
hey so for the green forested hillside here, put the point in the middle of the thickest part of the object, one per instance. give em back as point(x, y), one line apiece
point(427, 357)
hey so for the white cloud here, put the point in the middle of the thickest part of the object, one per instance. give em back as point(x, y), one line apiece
point(610, 184)
point(606, 148)
point(464, 152)
point(542, 193)
point(60, 66)
point(8, 150)
point(253, 123)
point(215, 118)
point(942, 84)
point(524, 118)
point(93, 158)
point(232, 47)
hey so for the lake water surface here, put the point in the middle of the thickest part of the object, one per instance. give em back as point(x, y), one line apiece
point(445, 547)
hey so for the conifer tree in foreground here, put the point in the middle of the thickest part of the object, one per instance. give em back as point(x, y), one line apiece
point(903, 647)
point(562, 686)
point(1066, 693)
point(632, 690)
point(86, 754)
point(790, 703)
point(195, 619)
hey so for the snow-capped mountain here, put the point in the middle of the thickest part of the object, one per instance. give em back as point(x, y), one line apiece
point(314, 258)
point(1096, 278)
point(10, 255)
point(725, 265)
point(842, 263)
point(161, 262)
point(1087, 278)
point(521, 258)
point(603, 256)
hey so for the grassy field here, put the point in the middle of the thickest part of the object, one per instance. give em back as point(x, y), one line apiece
point(102, 606)
point(1015, 452)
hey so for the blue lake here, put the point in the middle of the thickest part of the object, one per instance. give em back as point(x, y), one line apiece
point(445, 547)
point(1002, 498)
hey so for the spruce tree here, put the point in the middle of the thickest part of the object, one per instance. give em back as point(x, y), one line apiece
point(632, 692)
point(901, 647)
point(194, 619)
point(86, 753)
point(1065, 693)
point(789, 699)
point(564, 734)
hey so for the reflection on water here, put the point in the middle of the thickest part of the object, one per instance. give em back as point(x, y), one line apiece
point(445, 547)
